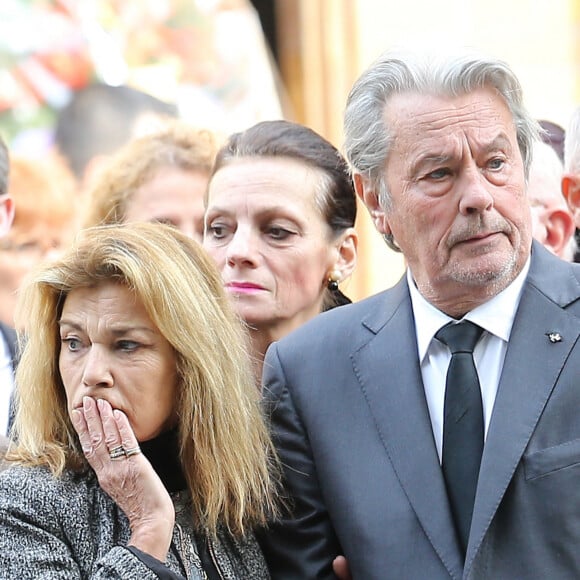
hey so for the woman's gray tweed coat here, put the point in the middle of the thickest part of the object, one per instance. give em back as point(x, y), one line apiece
point(69, 528)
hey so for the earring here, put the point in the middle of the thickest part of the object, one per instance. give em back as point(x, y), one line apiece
point(333, 281)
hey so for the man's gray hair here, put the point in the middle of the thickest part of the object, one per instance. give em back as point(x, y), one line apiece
point(367, 137)
point(572, 144)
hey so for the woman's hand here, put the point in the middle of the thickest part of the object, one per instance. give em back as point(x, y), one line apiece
point(128, 478)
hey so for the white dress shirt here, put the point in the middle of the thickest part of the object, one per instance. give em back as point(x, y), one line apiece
point(495, 316)
point(6, 384)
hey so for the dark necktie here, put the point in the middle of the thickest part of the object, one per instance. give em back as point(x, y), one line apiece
point(463, 423)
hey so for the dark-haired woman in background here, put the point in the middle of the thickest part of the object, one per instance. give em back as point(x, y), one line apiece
point(280, 214)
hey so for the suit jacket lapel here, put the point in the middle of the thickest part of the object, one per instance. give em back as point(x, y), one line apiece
point(396, 398)
point(530, 371)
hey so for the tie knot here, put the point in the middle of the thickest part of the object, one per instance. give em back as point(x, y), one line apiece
point(460, 337)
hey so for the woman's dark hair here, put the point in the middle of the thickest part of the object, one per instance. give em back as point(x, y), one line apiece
point(337, 199)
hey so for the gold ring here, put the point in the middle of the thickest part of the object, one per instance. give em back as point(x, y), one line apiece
point(133, 451)
point(117, 452)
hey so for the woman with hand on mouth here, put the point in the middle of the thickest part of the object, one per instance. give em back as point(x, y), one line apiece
point(141, 452)
point(280, 214)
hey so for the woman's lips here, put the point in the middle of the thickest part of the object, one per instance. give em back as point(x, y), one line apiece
point(244, 287)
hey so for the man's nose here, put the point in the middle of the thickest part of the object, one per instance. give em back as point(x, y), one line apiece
point(476, 193)
point(97, 368)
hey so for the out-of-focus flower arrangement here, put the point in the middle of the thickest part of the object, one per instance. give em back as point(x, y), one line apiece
point(207, 56)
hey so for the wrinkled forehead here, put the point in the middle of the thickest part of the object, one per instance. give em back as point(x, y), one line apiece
point(440, 122)
point(415, 109)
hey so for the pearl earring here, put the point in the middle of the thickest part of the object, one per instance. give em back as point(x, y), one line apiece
point(333, 280)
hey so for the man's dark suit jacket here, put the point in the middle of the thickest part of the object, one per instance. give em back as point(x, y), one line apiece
point(351, 423)
point(8, 335)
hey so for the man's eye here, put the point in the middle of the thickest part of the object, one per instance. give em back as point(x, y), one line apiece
point(27, 247)
point(438, 173)
point(496, 163)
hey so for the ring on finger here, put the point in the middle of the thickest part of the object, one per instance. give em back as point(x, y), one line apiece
point(117, 452)
point(133, 451)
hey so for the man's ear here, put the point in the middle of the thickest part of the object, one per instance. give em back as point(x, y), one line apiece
point(6, 214)
point(559, 229)
point(370, 197)
point(571, 191)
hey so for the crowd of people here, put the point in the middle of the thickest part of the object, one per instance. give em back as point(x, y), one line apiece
point(186, 391)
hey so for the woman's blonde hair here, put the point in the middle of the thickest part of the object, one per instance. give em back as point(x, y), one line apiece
point(176, 145)
point(226, 454)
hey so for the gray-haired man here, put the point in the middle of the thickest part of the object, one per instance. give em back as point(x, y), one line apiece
point(364, 400)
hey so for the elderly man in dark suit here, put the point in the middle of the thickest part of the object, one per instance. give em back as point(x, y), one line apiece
point(7, 335)
point(432, 431)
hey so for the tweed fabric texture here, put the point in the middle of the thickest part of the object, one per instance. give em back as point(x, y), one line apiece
point(69, 528)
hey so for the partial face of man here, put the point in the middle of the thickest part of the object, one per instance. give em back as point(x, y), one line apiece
point(571, 191)
point(459, 207)
point(6, 214)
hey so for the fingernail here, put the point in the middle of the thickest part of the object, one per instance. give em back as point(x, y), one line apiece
point(76, 416)
point(100, 404)
point(86, 403)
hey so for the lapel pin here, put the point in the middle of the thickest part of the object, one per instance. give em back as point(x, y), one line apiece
point(554, 336)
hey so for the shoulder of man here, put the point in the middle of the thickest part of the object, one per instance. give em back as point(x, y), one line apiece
point(557, 279)
point(346, 325)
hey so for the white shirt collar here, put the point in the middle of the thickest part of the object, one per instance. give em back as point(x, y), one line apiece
point(496, 316)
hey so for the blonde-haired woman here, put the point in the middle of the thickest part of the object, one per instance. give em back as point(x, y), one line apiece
point(159, 177)
point(141, 448)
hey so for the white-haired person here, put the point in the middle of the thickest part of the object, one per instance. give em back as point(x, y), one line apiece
point(141, 450)
point(571, 178)
point(552, 219)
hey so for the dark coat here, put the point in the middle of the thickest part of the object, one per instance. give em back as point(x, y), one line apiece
point(351, 423)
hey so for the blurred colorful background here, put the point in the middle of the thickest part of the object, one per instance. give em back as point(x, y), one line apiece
point(227, 64)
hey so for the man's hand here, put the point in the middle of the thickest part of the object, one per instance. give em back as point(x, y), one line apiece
point(341, 569)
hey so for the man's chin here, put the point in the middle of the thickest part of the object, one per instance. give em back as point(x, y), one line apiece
point(486, 268)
